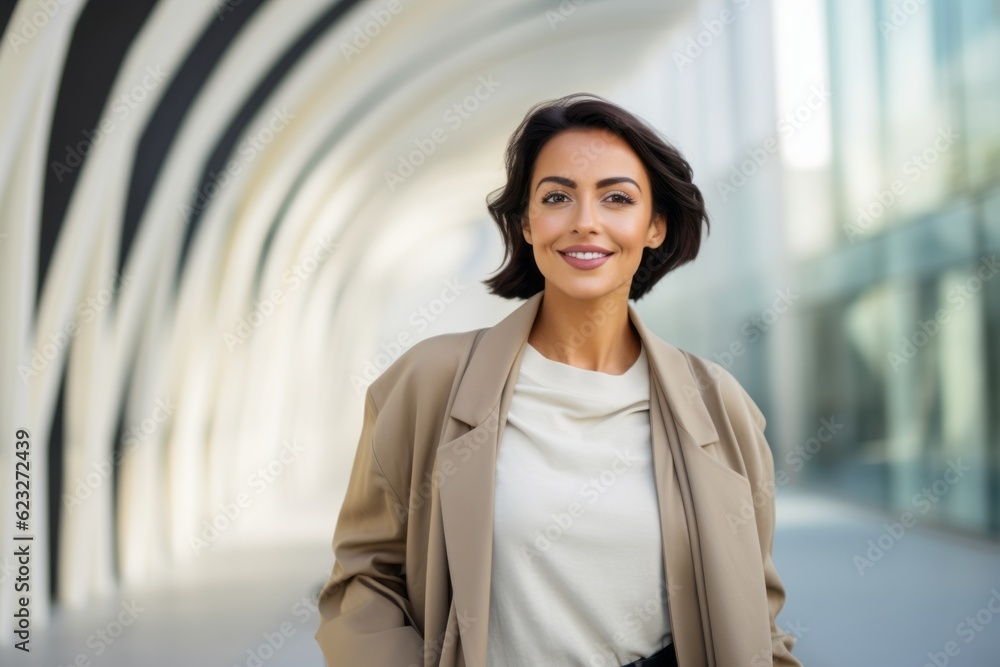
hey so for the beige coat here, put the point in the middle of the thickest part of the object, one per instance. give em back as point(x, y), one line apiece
point(413, 543)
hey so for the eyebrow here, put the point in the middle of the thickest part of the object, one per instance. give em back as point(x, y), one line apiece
point(604, 182)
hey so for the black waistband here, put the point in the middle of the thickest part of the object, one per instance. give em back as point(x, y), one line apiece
point(665, 657)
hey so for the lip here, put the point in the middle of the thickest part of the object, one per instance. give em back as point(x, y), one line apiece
point(585, 264)
point(586, 248)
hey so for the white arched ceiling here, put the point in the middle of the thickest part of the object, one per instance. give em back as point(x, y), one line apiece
point(318, 180)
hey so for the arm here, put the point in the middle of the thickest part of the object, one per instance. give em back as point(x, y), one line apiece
point(365, 615)
point(760, 468)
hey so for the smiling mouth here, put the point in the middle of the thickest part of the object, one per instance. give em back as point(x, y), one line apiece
point(586, 255)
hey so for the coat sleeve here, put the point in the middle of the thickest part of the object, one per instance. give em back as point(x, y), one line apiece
point(760, 469)
point(365, 615)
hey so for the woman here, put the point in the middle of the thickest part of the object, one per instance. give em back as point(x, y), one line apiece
point(564, 487)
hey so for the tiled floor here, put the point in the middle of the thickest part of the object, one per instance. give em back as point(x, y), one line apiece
point(909, 603)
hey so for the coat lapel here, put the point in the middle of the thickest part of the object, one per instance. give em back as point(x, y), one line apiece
point(713, 572)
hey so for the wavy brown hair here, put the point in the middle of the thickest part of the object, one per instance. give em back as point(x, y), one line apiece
point(674, 194)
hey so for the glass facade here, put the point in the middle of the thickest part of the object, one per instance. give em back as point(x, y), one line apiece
point(853, 164)
point(900, 331)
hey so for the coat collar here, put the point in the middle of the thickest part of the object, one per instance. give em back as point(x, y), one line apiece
point(502, 345)
point(695, 493)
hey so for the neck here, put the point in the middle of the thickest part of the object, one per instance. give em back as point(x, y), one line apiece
point(595, 335)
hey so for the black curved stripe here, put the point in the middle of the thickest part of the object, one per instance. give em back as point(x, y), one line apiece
point(55, 482)
point(438, 51)
point(104, 31)
point(166, 119)
point(6, 11)
point(227, 143)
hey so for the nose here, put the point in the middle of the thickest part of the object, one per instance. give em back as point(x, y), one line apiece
point(584, 218)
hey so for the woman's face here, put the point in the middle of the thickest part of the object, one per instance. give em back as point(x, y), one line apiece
point(589, 188)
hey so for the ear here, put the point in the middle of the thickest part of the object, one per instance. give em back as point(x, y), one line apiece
point(526, 228)
point(657, 231)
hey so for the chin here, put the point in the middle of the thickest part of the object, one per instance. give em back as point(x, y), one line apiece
point(586, 292)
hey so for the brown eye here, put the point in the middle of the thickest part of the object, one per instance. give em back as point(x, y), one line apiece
point(622, 198)
point(547, 199)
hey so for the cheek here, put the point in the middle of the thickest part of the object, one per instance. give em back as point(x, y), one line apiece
point(633, 253)
point(545, 228)
point(632, 240)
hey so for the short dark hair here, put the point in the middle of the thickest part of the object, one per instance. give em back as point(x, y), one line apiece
point(674, 195)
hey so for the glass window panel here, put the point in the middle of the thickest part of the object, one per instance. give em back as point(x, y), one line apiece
point(963, 396)
point(920, 159)
point(991, 304)
point(844, 347)
point(909, 387)
point(979, 25)
point(855, 100)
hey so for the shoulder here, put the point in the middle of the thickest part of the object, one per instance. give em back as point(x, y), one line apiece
point(429, 366)
point(722, 392)
point(737, 418)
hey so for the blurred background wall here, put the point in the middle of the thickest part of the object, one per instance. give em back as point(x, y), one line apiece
point(220, 220)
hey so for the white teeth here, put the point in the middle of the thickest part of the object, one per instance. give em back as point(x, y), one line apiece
point(587, 255)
